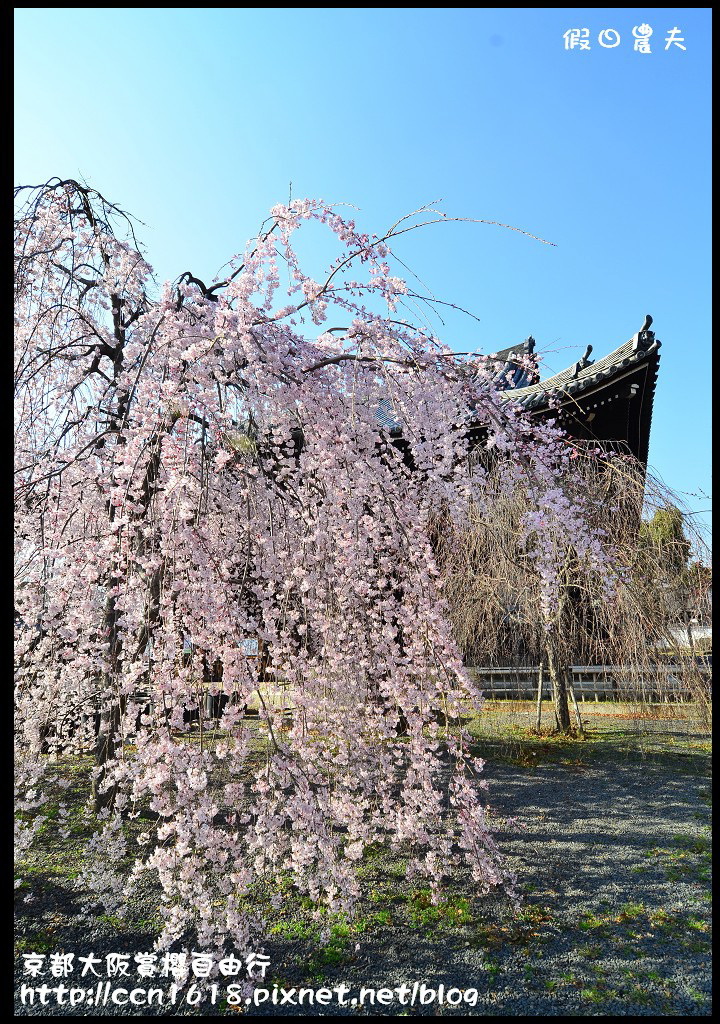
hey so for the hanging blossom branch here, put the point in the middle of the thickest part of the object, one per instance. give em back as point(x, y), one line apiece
point(202, 473)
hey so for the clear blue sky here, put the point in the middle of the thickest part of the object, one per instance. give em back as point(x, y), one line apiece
point(196, 121)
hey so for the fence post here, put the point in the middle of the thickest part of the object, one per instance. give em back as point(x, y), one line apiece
point(578, 718)
point(539, 696)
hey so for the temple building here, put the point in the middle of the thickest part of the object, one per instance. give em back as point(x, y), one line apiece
point(608, 402)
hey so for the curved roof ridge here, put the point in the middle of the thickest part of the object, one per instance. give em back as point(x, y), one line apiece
point(578, 377)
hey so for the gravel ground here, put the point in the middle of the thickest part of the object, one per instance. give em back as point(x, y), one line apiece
point(612, 859)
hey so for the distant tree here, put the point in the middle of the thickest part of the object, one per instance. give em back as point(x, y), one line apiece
point(664, 534)
point(510, 607)
point(681, 583)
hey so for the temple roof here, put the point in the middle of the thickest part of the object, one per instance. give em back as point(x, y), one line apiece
point(609, 400)
point(586, 373)
point(520, 366)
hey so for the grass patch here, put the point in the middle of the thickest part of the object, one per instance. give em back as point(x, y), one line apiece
point(524, 928)
point(601, 744)
point(448, 913)
point(689, 859)
point(42, 941)
point(634, 921)
point(331, 954)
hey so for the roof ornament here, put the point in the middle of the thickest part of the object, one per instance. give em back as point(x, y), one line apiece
point(519, 368)
point(645, 338)
point(582, 363)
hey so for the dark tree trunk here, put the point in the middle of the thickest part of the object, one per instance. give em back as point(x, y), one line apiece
point(110, 710)
point(108, 727)
point(559, 677)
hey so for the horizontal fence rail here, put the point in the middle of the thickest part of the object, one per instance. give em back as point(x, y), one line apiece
point(659, 683)
point(597, 682)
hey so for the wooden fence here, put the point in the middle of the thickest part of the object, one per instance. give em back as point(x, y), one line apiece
point(598, 682)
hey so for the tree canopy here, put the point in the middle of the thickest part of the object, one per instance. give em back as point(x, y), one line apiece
point(271, 456)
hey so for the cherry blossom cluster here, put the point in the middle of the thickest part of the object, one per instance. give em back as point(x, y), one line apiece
point(213, 467)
